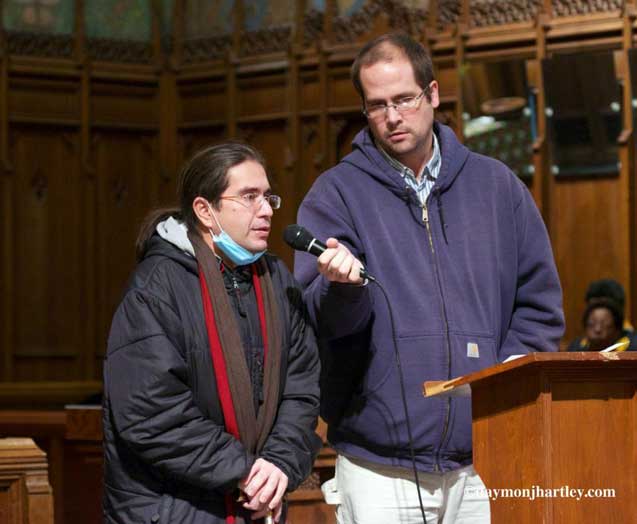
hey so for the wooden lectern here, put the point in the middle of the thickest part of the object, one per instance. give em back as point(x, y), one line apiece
point(563, 421)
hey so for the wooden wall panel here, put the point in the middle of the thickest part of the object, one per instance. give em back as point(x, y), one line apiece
point(201, 101)
point(127, 179)
point(26, 100)
point(118, 132)
point(261, 94)
point(124, 104)
point(587, 242)
point(310, 156)
point(341, 92)
point(191, 141)
point(343, 130)
point(46, 255)
point(310, 89)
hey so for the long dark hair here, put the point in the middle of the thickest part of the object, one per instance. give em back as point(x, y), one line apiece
point(205, 175)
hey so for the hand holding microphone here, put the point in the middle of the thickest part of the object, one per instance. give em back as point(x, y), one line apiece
point(335, 261)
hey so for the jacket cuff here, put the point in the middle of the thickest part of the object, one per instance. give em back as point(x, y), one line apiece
point(293, 483)
point(349, 292)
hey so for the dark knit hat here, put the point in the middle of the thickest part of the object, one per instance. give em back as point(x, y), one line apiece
point(606, 288)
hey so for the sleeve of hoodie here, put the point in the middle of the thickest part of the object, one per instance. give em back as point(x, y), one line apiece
point(151, 403)
point(336, 310)
point(537, 323)
point(293, 443)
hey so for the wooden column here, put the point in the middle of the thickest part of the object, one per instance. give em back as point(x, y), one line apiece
point(232, 63)
point(294, 109)
point(629, 167)
point(87, 172)
point(168, 98)
point(328, 157)
point(542, 176)
point(6, 215)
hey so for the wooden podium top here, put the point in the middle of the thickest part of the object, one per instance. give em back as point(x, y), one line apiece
point(550, 362)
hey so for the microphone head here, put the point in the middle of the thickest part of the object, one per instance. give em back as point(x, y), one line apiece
point(297, 237)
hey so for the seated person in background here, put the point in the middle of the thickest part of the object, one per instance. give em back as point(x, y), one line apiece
point(603, 326)
point(608, 288)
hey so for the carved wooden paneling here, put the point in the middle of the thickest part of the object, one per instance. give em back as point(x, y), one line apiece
point(206, 49)
point(342, 132)
point(587, 243)
point(579, 7)
point(125, 51)
point(192, 141)
point(122, 104)
point(341, 92)
point(311, 157)
point(127, 178)
point(447, 76)
point(348, 29)
point(61, 103)
point(448, 12)
point(310, 89)
point(312, 27)
point(61, 80)
point(202, 101)
point(271, 40)
point(40, 45)
point(261, 94)
point(47, 255)
point(496, 12)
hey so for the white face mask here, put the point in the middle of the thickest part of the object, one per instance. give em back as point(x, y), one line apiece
point(239, 255)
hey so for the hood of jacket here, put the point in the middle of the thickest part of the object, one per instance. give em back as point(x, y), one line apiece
point(366, 157)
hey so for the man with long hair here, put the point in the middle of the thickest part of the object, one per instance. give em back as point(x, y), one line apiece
point(211, 375)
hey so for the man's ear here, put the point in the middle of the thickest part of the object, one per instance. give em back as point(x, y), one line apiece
point(201, 208)
point(434, 94)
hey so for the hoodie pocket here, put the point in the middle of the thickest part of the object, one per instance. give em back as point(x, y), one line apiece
point(471, 352)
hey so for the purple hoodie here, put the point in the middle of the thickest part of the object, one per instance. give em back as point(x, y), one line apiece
point(476, 285)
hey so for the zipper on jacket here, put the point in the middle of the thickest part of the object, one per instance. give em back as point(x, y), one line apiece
point(237, 294)
point(445, 425)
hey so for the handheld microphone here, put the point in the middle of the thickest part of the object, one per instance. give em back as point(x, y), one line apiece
point(299, 238)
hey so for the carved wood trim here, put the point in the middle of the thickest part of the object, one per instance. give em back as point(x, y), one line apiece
point(312, 27)
point(448, 13)
point(496, 12)
point(43, 45)
point(577, 7)
point(124, 51)
point(346, 29)
point(271, 40)
point(206, 49)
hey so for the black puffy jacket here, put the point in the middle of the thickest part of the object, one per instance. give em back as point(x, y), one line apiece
point(167, 455)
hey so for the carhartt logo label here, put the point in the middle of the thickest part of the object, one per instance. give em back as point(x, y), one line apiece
point(472, 350)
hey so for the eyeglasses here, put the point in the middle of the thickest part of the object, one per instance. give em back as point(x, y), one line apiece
point(404, 105)
point(255, 200)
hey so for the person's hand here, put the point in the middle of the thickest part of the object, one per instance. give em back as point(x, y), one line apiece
point(338, 264)
point(275, 513)
point(264, 486)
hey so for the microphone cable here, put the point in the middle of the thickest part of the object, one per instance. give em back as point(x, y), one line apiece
point(403, 395)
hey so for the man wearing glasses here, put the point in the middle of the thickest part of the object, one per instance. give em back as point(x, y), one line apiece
point(211, 376)
point(458, 245)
